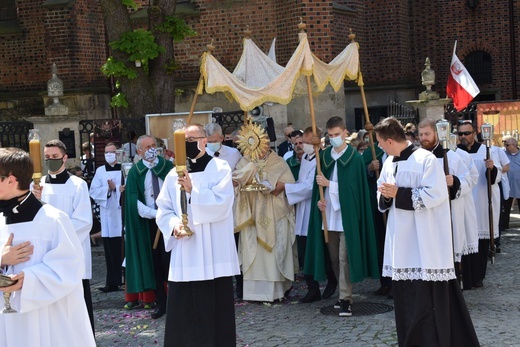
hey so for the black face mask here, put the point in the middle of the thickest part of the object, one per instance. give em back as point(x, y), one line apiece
point(192, 149)
point(229, 143)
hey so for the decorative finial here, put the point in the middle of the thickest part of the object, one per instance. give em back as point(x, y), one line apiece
point(302, 26)
point(351, 36)
point(210, 47)
point(247, 32)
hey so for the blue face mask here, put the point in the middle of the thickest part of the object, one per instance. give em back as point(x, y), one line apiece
point(213, 146)
point(336, 141)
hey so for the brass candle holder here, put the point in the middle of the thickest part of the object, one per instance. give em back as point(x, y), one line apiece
point(179, 141)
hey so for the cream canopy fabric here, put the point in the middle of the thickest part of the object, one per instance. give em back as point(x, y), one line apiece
point(258, 79)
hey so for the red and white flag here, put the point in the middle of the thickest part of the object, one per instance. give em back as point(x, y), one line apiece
point(461, 88)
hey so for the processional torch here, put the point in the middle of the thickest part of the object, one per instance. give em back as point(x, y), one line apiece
point(36, 156)
point(179, 142)
point(443, 132)
point(487, 135)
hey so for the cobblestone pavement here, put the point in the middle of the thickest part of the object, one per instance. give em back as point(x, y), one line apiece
point(495, 310)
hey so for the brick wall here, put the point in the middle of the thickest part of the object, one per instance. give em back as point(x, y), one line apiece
point(73, 38)
point(394, 36)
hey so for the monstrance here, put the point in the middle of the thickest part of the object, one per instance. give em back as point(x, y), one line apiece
point(253, 142)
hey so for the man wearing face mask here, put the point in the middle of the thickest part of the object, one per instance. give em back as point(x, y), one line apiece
point(146, 268)
point(352, 239)
point(69, 194)
point(303, 167)
point(217, 149)
point(105, 190)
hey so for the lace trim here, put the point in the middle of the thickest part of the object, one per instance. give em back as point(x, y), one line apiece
point(459, 191)
point(470, 249)
point(457, 257)
point(417, 202)
point(419, 274)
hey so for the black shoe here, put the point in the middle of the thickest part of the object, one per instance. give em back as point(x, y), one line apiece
point(497, 249)
point(287, 292)
point(158, 312)
point(108, 289)
point(383, 290)
point(310, 297)
point(345, 308)
point(479, 284)
point(330, 289)
point(337, 305)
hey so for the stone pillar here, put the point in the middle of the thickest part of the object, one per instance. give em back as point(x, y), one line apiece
point(429, 104)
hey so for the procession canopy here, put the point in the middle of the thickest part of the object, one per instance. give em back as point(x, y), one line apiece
point(258, 79)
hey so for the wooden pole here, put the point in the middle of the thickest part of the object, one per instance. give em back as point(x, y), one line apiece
point(368, 125)
point(201, 80)
point(316, 142)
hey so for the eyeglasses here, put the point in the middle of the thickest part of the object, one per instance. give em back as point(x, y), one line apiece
point(3, 177)
point(465, 133)
point(194, 139)
point(508, 144)
point(465, 121)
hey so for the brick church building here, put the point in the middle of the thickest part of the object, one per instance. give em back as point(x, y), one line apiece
point(395, 38)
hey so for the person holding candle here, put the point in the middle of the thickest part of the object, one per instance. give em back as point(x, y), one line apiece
point(42, 252)
point(146, 265)
point(69, 194)
point(200, 288)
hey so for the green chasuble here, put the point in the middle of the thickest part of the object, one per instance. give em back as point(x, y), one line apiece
point(372, 177)
point(138, 246)
point(356, 215)
point(294, 165)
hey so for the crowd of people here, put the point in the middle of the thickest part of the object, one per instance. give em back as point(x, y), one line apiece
point(183, 241)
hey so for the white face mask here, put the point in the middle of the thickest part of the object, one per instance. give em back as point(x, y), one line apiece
point(308, 149)
point(110, 157)
point(336, 141)
point(213, 146)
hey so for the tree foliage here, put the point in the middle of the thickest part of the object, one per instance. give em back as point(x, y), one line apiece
point(142, 60)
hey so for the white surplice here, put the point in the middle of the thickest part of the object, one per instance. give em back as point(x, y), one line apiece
point(480, 193)
point(109, 207)
point(72, 197)
point(50, 305)
point(470, 213)
point(210, 252)
point(300, 194)
point(418, 244)
point(458, 168)
point(229, 154)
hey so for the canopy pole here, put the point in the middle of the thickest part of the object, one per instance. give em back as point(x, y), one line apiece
point(369, 127)
point(316, 142)
point(201, 80)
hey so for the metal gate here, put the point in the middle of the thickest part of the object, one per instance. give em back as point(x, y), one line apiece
point(14, 134)
point(404, 113)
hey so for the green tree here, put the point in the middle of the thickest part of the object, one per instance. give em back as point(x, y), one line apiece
point(149, 88)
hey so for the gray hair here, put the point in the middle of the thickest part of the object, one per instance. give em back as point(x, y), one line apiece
point(213, 128)
point(141, 138)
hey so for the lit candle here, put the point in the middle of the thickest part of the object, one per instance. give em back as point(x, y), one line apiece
point(179, 142)
point(35, 150)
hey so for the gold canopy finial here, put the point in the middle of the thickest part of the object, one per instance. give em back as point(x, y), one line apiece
point(351, 36)
point(302, 26)
point(210, 47)
point(247, 32)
